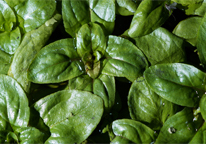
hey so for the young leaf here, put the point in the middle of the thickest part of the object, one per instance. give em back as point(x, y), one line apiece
point(176, 82)
point(123, 59)
point(149, 15)
point(147, 106)
point(133, 131)
point(161, 46)
point(32, 42)
point(56, 62)
point(71, 115)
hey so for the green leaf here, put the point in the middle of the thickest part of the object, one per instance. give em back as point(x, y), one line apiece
point(201, 10)
point(13, 3)
point(77, 13)
point(5, 62)
point(201, 42)
point(30, 135)
point(202, 106)
point(180, 128)
point(133, 131)
point(10, 40)
point(31, 44)
point(149, 15)
point(14, 107)
point(176, 82)
point(71, 115)
point(123, 59)
point(127, 7)
point(120, 140)
point(35, 12)
point(55, 63)
point(188, 28)
point(7, 17)
point(147, 106)
point(187, 2)
point(161, 46)
point(200, 136)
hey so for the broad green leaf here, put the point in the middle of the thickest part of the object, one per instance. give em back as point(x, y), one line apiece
point(31, 44)
point(127, 7)
point(14, 108)
point(123, 59)
point(103, 86)
point(203, 107)
point(180, 128)
point(161, 46)
point(201, 42)
point(200, 136)
point(176, 82)
point(120, 140)
point(133, 131)
point(56, 62)
point(77, 13)
point(13, 3)
point(187, 2)
point(149, 15)
point(7, 17)
point(188, 28)
point(5, 62)
point(10, 40)
point(30, 135)
point(147, 106)
point(35, 12)
point(201, 10)
point(71, 115)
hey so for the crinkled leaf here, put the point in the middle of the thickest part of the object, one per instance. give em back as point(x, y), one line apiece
point(149, 15)
point(188, 29)
point(133, 131)
point(91, 41)
point(30, 135)
point(201, 42)
point(180, 128)
point(71, 115)
point(13, 103)
point(10, 40)
point(200, 136)
point(123, 59)
point(147, 106)
point(161, 46)
point(35, 12)
point(55, 63)
point(7, 17)
point(5, 62)
point(77, 13)
point(176, 82)
point(31, 44)
point(127, 7)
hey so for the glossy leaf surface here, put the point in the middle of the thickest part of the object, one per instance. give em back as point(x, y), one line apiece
point(133, 131)
point(123, 59)
point(188, 29)
point(176, 82)
point(180, 128)
point(161, 46)
point(146, 106)
point(148, 16)
point(32, 42)
point(56, 62)
point(71, 115)
point(78, 13)
point(35, 12)
point(5, 62)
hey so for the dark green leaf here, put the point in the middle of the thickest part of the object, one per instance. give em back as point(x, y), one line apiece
point(149, 15)
point(161, 46)
point(5, 62)
point(200, 136)
point(32, 42)
point(133, 131)
point(147, 106)
point(180, 128)
point(176, 82)
point(71, 115)
point(203, 107)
